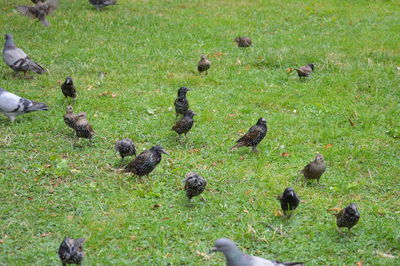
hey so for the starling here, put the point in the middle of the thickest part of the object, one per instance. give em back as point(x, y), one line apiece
point(71, 251)
point(39, 11)
point(289, 201)
point(315, 169)
point(181, 103)
point(125, 147)
point(254, 136)
point(68, 88)
point(12, 105)
point(305, 71)
point(235, 257)
point(80, 123)
point(185, 124)
point(194, 185)
point(348, 217)
point(203, 65)
point(145, 162)
point(98, 4)
point(17, 59)
point(243, 42)
point(70, 118)
point(37, 1)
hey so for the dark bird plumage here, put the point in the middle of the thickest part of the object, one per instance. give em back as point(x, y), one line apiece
point(184, 125)
point(70, 118)
point(181, 103)
point(39, 11)
point(12, 105)
point(243, 42)
point(37, 1)
point(254, 136)
point(348, 217)
point(289, 201)
point(145, 162)
point(68, 88)
point(235, 257)
point(315, 169)
point(194, 185)
point(71, 251)
point(79, 123)
point(125, 147)
point(305, 71)
point(98, 4)
point(203, 65)
point(17, 59)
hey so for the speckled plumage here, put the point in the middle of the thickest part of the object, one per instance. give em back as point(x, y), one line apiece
point(98, 4)
point(146, 161)
point(204, 64)
point(289, 201)
point(305, 71)
point(71, 251)
point(315, 169)
point(79, 123)
point(181, 103)
point(125, 147)
point(348, 217)
point(70, 118)
point(243, 42)
point(184, 125)
point(68, 88)
point(39, 11)
point(254, 136)
point(194, 185)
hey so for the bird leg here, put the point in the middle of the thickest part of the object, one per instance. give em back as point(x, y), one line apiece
point(90, 142)
point(254, 149)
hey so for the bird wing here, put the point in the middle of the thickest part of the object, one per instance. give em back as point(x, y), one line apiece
point(11, 56)
point(179, 124)
point(29, 11)
point(9, 102)
point(253, 133)
point(50, 6)
point(141, 159)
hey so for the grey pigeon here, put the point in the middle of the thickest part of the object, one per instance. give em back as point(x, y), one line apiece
point(125, 147)
point(17, 59)
point(289, 201)
point(39, 11)
point(145, 162)
point(254, 136)
point(71, 251)
point(243, 42)
point(315, 169)
point(235, 257)
point(12, 105)
point(184, 125)
point(204, 64)
point(348, 217)
point(68, 88)
point(305, 71)
point(181, 103)
point(98, 4)
point(194, 185)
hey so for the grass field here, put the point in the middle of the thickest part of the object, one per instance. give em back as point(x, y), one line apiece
point(49, 189)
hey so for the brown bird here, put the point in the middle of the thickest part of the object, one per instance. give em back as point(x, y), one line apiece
point(184, 125)
point(305, 71)
point(315, 169)
point(203, 65)
point(254, 136)
point(70, 118)
point(243, 42)
point(39, 11)
point(79, 123)
point(347, 217)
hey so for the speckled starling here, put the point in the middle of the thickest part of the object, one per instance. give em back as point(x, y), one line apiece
point(243, 42)
point(254, 136)
point(68, 88)
point(184, 125)
point(289, 201)
point(348, 217)
point(145, 162)
point(125, 147)
point(39, 11)
point(315, 169)
point(305, 71)
point(71, 251)
point(181, 103)
point(194, 185)
point(70, 118)
point(204, 64)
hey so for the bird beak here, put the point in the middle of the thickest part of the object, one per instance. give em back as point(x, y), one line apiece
point(214, 249)
point(291, 193)
point(163, 151)
point(189, 89)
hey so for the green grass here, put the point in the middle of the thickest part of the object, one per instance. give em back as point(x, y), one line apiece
point(49, 190)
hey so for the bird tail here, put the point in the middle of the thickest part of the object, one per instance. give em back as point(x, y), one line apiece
point(237, 146)
point(293, 263)
point(44, 22)
point(35, 67)
point(37, 107)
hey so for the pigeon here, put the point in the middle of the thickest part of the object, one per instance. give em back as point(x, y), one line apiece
point(194, 185)
point(17, 59)
point(243, 42)
point(181, 103)
point(70, 251)
point(184, 125)
point(12, 105)
point(289, 201)
point(315, 169)
point(235, 257)
point(68, 88)
point(348, 217)
point(204, 64)
point(98, 4)
point(254, 136)
point(125, 147)
point(305, 71)
point(39, 11)
point(145, 162)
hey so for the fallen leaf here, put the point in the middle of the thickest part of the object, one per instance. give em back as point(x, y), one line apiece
point(114, 95)
point(165, 218)
point(238, 62)
point(105, 93)
point(231, 115)
point(285, 154)
point(359, 263)
point(133, 237)
point(194, 150)
point(385, 255)
point(1, 241)
point(352, 123)
point(70, 217)
point(47, 165)
point(241, 158)
point(45, 234)
point(333, 209)
point(247, 67)
point(289, 69)
point(217, 162)
point(327, 146)
point(245, 211)
point(41, 209)
point(278, 213)
point(203, 254)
